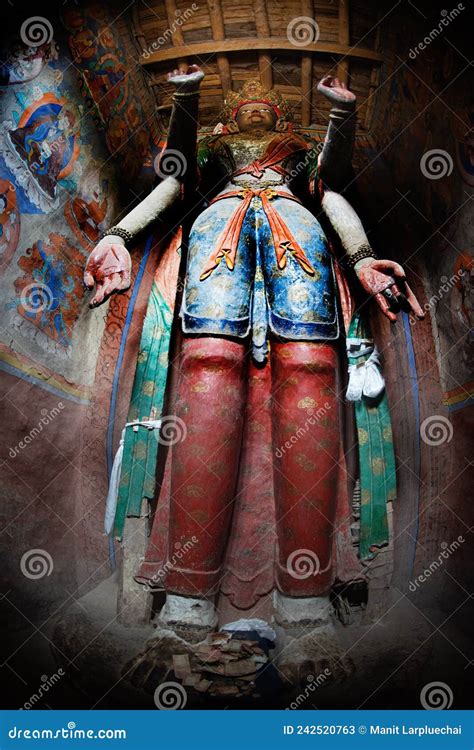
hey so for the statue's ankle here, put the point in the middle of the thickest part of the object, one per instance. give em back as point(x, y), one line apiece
point(191, 618)
point(308, 647)
point(293, 612)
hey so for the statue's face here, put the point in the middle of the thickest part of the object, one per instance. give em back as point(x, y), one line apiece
point(255, 116)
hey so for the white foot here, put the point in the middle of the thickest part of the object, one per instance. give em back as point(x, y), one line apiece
point(308, 611)
point(308, 650)
point(189, 617)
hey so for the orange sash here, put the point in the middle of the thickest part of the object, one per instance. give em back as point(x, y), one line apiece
point(283, 239)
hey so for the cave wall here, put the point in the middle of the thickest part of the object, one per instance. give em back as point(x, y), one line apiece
point(417, 187)
point(57, 357)
point(424, 115)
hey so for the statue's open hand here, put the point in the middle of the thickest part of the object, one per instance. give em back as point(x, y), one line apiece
point(109, 266)
point(385, 280)
point(336, 91)
point(186, 78)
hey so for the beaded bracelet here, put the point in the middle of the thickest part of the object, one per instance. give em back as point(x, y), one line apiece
point(365, 251)
point(118, 232)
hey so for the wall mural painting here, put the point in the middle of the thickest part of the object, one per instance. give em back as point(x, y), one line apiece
point(57, 194)
point(98, 53)
point(9, 222)
point(465, 147)
point(42, 148)
point(86, 212)
point(463, 272)
point(25, 62)
point(50, 291)
point(461, 310)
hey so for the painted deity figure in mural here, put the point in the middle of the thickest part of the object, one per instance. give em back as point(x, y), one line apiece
point(43, 143)
point(43, 148)
point(260, 276)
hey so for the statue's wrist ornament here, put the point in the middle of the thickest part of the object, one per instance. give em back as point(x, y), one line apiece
point(185, 94)
point(118, 232)
point(342, 111)
point(364, 251)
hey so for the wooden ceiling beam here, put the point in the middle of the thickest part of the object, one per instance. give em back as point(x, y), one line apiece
point(277, 44)
point(344, 38)
point(137, 29)
point(177, 37)
point(262, 26)
point(218, 32)
point(373, 86)
point(307, 10)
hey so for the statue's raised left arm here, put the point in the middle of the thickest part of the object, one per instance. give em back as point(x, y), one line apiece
point(109, 264)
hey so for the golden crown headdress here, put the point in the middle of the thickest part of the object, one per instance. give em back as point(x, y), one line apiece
point(253, 91)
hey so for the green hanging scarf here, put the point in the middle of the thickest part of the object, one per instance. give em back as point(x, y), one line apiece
point(376, 458)
point(140, 450)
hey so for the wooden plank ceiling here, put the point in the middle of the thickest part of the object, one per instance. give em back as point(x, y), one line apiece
point(236, 41)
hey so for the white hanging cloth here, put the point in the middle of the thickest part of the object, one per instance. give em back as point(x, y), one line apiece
point(365, 378)
point(112, 495)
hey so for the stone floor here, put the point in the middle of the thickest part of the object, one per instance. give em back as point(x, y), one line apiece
point(385, 659)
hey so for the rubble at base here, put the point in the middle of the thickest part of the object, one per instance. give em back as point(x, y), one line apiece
point(222, 665)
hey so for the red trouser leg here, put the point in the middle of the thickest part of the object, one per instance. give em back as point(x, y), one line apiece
point(306, 450)
point(210, 401)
